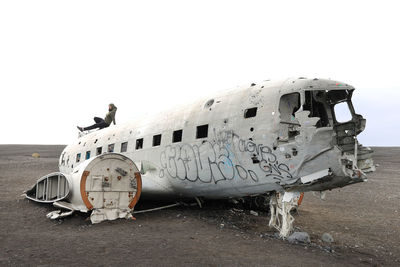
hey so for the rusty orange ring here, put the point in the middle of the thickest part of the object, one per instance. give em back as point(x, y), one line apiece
point(300, 198)
point(90, 206)
point(83, 190)
point(138, 192)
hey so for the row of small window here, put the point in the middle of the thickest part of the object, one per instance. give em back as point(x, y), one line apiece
point(201, 132)
point(99, 150)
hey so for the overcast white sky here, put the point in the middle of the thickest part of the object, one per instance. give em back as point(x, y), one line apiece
point(62, 62)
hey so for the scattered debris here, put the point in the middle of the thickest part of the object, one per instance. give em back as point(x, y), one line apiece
point(299, 237)
point(58, 214)
point(327, 238)
point(198, 200)
point(236, 210)
point(158, 208)
point(252, 212)
point(99, 215)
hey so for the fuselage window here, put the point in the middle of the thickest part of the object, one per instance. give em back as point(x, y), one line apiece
point(157, 140)
point(99, 150)
point(124, 147)
point(177, 136)
point(139, 144)
point(78, 157)
point(110, 148)
point(202, 131)
point(250, 112)
point(289, 104)
point(87, 155)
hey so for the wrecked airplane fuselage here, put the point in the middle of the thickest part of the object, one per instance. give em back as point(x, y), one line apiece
point(277, 138)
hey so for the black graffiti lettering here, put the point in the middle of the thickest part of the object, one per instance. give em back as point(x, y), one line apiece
point(253, 176)
point(242, 145)
point(217, 161)
point(241, 172)
point(226, 167)
point(275, 169)
point(216, 173)
point(285, 169)
point(267, 154)
point(251, 147)
point(189, 165)
point(206, 156)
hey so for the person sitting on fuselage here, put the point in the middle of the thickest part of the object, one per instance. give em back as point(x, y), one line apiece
point(100, 123)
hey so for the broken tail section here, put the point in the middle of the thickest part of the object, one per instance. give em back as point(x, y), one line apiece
point(108, 186)
point(50, 188)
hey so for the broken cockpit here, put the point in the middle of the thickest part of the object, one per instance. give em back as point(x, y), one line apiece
point(326, 108)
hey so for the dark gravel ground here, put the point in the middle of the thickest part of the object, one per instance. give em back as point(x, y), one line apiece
point(363, 220)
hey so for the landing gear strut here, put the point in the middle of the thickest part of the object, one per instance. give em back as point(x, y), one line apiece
point(281, 204)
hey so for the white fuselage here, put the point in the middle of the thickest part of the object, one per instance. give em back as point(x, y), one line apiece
point(231, 145)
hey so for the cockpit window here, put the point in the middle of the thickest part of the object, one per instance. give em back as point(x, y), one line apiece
point(336, 96)
point(330, 106)
point(342, 112)
point(315, 102)
point(288, 105)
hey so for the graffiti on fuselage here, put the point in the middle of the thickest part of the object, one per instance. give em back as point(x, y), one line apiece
point(221, 160)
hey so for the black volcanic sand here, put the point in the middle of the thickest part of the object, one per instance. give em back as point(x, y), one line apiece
point(363, 220)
